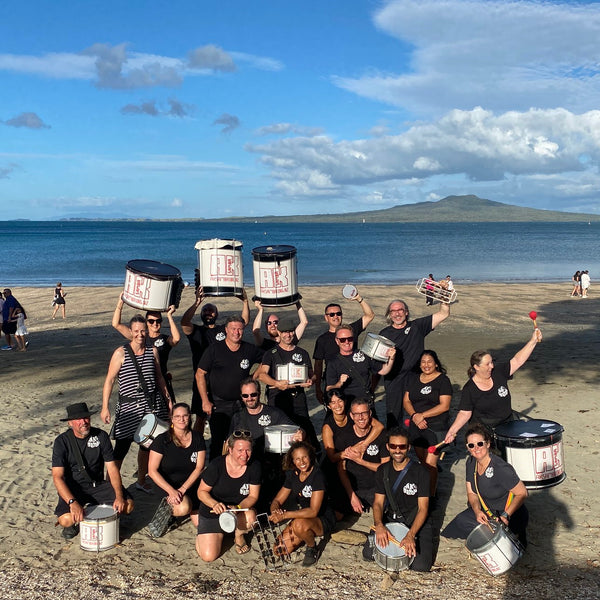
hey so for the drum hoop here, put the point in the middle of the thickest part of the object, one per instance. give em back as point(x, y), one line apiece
point(138, 270)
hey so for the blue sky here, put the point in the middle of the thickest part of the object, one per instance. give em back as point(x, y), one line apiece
point(190, 109)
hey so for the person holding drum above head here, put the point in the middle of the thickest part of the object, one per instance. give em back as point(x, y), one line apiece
point(287, 370)
point(350, 370)
point(409, 339)
point(402, 496)
point(302, 498)
point(494, 490)
point(485, 397)
point(427, 402)
point(142, 390)
point(79, 457)
point(229, 482)
point(271, 323)
point(177, 459)
point(201, 337)
point(221, 369)
point(161, 341)
point(326, 347)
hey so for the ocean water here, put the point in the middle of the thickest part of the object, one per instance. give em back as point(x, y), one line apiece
point(96, 253)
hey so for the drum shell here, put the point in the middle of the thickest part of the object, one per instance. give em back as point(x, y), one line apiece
point(392, 557)
point(292, 373)
point(220, 267)
point(376, 347)
point(152, 285)
point(278, 438)
point(149, 429)
point(99, 529)
point(275, 275)
point(496, 549)
point(535, 450)
point(227, 521)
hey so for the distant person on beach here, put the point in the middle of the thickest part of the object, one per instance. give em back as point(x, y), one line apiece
point(59, 300)
point(576, 284)
point(142, 390)
point(9, 323)
point(201, 337)
point(485, 398)
point(21, 331)
point(430, 290)
point(585, 283)
point(326, 347)
point(161, 341)
point(85, 445)
point(409, 338)
point(271, 322)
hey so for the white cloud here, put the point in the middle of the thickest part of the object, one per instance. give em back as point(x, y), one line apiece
point(176, 203)
point(285, 128)
point(211, 57)
point(494, 53)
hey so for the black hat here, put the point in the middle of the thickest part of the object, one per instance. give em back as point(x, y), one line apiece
point(286, 324)
point(78, 410)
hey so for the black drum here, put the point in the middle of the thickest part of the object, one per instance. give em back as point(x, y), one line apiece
point(275, 275)
point(152, 285)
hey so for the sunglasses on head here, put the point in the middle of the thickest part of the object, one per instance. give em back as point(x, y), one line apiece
point(153, 321)
point(334, 314)
point(250, 395)
point(241, 433)
point(397, 446)
point(472, 445)
point(344, 340)
point(274, 322)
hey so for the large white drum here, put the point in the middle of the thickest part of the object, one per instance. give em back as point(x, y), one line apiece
point(275, 275)
point(392, 557)
point(292, 373)
point(152, 285)
point(279, 438)
point(376, 347)
point(99, 529)
point(148, 430)
point(534, 448)
point(220, 269)
point(495, 547)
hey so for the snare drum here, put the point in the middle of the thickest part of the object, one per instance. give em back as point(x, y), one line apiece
point(227, 521)
point(275, 275)
point(278, 438)
point(292, 373)
point(392, 557)
point(99, 529)
point(220, 267)
point(151, 285)
point(148, 430)
point(495, 547)
point(534, 448)
point(376, 347)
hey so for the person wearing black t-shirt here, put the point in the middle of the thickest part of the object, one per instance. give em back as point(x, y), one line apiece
point(271, 325)
point(325, 346)
point(402, 496)
point(485, 398)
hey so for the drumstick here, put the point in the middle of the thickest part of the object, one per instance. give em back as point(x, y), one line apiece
point(391, 538)
point(533, 317)
point(233, 510)
point(432, 449)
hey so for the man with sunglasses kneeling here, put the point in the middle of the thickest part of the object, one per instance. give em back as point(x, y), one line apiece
point(402, 496)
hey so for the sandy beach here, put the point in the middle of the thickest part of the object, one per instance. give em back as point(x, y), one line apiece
point(66, 362)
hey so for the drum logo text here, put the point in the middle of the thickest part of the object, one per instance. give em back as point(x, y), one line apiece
point(224, 267)
point(274, 280)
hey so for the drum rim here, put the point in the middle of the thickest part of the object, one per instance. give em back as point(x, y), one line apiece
point(114, 514)
point(176, 273)
point(231, 244)
point(272, 252)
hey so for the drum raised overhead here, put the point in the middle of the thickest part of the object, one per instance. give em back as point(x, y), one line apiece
point(376, 347)
point(275, 275)
point(152, 285)
point(220, 269)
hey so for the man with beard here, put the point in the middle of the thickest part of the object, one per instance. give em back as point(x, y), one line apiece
point(79, 457)
point(271, 325)
point(201, 337)
point(402, 496)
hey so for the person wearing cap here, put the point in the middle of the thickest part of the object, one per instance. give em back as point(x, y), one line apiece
point(289, 396)
point(201, 337)
point(271, 325)
point(79, 457)
point(326, 347)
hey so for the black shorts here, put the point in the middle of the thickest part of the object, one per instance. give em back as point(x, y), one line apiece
point(103, 493)
point(9, 327)
point(209, 524)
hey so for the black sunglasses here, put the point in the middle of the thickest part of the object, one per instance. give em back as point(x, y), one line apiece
point(152, 321)
point(345, 339)
point(397, 446)
point(334, 314)
point(272, 322)
point(251, 395)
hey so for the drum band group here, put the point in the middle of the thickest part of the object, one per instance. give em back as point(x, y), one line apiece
point(264, 457)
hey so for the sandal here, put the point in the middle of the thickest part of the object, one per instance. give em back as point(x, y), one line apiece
point(242, 548)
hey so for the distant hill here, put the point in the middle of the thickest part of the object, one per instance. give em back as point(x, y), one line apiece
point(452, 209)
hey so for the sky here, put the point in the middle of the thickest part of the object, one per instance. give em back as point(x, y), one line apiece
point(189, 109)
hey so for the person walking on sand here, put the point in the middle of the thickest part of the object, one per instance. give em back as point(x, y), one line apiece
point(585, 283)
point(59, 301)
point(9, 323)
point(21, 332)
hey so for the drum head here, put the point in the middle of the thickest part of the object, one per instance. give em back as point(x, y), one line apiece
point(227, 522)
point(524, 430)
point(218, 244)
point(268, 253)
point(154, 269)
point(349, 291)
point(98, 512)
point(145, 428)
point(399, 531)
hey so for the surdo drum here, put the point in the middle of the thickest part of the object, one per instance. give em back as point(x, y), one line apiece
point(152, 285)
point(278, 438)
point(99, 529)
point(220, 268)
point(495, 547)
point(275, 275)
point(534, 448)
point(376, 347)
point(149, 428)
point(392, 557)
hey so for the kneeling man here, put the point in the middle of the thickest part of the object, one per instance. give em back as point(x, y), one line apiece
point(78, 460)
point(402, 496)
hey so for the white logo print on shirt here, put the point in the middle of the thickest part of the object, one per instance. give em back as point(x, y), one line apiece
point(358, 357)
point(220, 336)
point(93, 442)
point(502, 392)
point(410, 489)
point(373, 450)
point(307, 491)
point(264, 420)
point(245, 489)
point(297, 357)
point(244, 364)
point(194, 457)
point(426, 390)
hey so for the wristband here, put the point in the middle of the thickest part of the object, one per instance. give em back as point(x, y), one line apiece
point(69, 502)
point(505, 515)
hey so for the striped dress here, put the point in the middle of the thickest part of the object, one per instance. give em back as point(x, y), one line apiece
point(132, 405)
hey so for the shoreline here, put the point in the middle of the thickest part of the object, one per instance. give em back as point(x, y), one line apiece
point(67, 360)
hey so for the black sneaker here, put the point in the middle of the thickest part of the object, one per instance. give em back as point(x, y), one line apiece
point(310, 556)
point(161, 519)
point(70, 532)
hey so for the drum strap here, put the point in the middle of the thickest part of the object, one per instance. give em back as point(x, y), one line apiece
point(486, 510)
point(78, 457)
point(141, 379)
point(391, 490)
